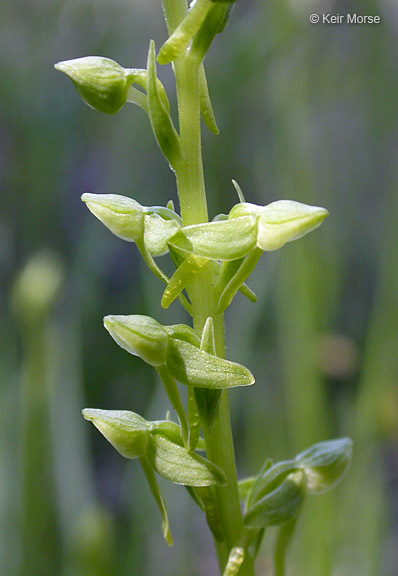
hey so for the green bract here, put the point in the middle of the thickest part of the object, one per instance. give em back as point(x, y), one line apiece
point(279, 506)
point(139, 335)
point(102, 83)
point(126, 431)
point(198, 368)
point(182, 466)
point(184, 33)
point(220, 240)
point(325, 464)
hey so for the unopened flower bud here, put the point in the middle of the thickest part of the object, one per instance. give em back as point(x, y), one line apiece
point(37, 287)
point(101, 82)
point(140, 335)
point(122, 215)
point(325, 464)
point(285, 221)
point(126, 431)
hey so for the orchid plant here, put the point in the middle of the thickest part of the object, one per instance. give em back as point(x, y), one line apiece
point(212, 261)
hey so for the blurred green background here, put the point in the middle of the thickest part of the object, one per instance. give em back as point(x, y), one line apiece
point(306, 112)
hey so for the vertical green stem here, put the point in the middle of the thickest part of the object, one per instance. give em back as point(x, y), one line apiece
point(192, 195)
point(40, 530)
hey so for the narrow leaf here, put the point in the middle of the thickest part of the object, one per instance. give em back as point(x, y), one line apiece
point(159, 498)
point(182, 278)
point(183, 34)
point(182, 466)
point(161, 122)
point(206, 107)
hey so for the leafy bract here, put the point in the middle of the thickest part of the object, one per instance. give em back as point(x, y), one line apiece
point(182, 466)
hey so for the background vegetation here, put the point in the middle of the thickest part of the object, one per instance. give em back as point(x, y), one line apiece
point(306, 112)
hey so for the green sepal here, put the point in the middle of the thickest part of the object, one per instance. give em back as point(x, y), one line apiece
point(248, 293)
point(183, 34)
point(182, 278)
point(195, 367)
point(157, 232)
point(121, 215)
point(181, 466)
point(183, 332)
point(245, 486)
point(270, 477)
point(126, 431)
point(101, 82)
point(167, 428)
point(139, 335)
point(279, 506)
point(325, 464)
point(172, 431)
point(161, 122)
point(221, 240)
point(206, 107)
